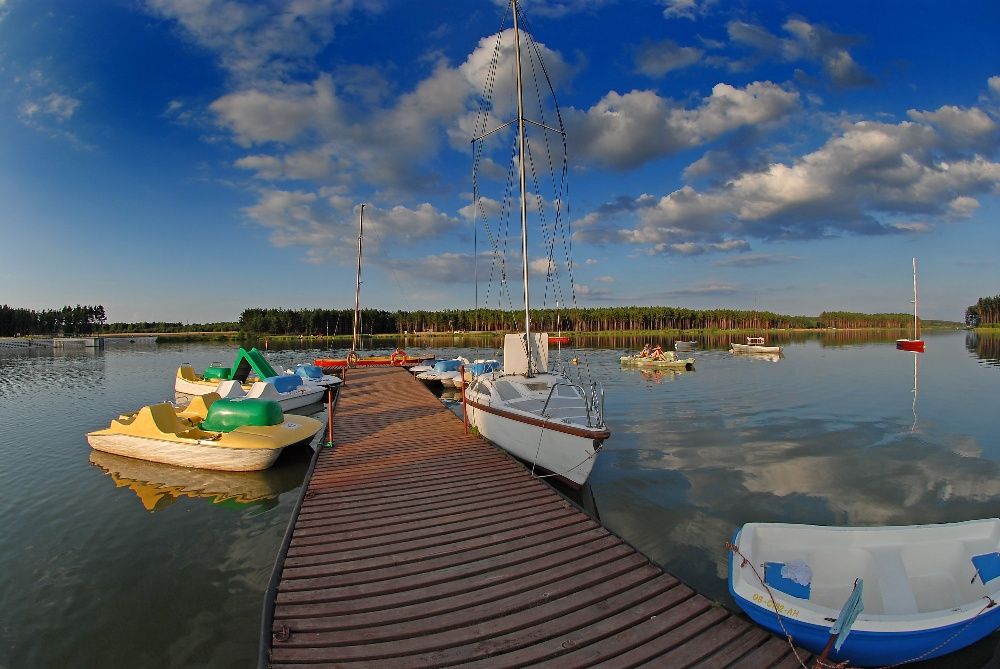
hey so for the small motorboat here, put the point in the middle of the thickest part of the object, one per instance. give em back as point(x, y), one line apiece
point(558, 339)
point(443, 372)
point(927, 590)
point(753, 345)
point(210, 433)
point(288, 390)
point(474, 370)
point(312, 374)
point(682, 345)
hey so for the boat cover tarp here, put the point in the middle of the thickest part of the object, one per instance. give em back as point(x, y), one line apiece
point(252, 360)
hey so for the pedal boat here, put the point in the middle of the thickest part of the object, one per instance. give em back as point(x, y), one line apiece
point(210, 433)
point(668, 361)
point(288, 390)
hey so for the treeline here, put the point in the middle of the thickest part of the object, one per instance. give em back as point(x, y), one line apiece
point(78, 320)
point(167, 327)
point(986, 311)
point(604, 319)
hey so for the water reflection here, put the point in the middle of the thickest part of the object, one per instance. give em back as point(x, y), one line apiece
point(657, 376)
point(158, 485)
point(985, 346)
point(761, 356)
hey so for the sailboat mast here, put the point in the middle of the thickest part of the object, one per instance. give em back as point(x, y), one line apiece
point(357, 287)
point(916, 322)
point(524, 199)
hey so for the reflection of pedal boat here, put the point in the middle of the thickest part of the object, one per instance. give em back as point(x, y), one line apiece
point(668, 362)
point(158, 485)
point(210, 433)
point(927, 589)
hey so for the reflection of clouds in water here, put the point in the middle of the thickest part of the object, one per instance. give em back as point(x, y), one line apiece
point(861, 485)
point(697, 491)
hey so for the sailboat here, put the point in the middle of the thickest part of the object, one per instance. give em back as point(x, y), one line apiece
point(398, 358)
point(536, 414)
point(915, 344)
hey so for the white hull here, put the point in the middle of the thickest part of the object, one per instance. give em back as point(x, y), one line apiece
point(567, 456)
point(304, 395)
point(746, 348)
point(542, 419)
point(200, 454)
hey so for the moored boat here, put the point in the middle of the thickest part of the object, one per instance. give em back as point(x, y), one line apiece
point(916, 344)
point(443, 371)
point(190, 382)
point(682, 345)
point(536, 414)
point(541, 417)
point(287, 390)
point(397, 358)
point(927, 590)
point(657, 358)
point(314, 374)
point(210, 433)
point(753, 345)
point(474, 370)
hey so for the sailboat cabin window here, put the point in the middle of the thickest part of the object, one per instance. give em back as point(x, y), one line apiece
point(567, 391)
point(480, 388)
point(506, 391)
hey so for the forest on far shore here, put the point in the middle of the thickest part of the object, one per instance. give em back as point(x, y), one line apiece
point(85, 320)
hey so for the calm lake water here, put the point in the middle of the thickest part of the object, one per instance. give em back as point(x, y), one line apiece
point(107, 561)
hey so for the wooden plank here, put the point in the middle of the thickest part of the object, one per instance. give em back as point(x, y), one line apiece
point(417, 545)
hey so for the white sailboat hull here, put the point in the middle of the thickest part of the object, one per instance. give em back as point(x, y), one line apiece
point(569, 457)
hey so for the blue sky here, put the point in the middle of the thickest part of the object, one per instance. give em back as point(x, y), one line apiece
point(184, 159)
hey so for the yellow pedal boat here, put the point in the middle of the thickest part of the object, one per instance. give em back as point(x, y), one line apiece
point(209, 433)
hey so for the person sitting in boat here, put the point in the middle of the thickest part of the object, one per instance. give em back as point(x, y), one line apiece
point(644, 353)
point(657, 353)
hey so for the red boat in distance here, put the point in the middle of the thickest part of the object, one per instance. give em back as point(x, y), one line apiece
point(916, 344)
point(561, 339)
point(397, 359)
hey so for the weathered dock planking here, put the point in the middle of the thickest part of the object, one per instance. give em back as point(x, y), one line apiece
point(416, 545)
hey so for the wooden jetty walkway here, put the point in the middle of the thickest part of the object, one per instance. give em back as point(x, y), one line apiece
point(417, 545)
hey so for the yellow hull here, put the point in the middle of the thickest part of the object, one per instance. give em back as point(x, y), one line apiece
point(163, 433)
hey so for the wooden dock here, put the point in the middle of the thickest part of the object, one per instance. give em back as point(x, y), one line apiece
point(416, 545)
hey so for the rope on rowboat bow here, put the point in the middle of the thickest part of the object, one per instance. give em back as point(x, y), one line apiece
point(826, 664)
point(774, 604)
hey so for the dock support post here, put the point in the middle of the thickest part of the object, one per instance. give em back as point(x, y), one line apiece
point(465, 415)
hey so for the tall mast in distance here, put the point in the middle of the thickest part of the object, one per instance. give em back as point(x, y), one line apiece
point(916, 321)
point(357, 287)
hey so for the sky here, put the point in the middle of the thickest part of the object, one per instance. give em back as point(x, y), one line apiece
point(182, 160)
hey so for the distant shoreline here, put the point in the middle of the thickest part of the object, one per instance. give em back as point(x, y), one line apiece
point(235, 335)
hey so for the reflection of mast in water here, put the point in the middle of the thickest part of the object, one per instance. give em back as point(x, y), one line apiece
point(916, 389)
